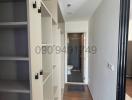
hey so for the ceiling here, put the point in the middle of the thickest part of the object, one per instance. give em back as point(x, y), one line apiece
point(78, 9)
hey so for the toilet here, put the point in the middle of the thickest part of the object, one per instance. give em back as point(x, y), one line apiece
point(69, 68)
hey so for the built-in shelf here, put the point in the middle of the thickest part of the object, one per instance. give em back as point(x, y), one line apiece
point(15, 58)
point(14, 86)
point(45, 11)
point(13, 24)
point(46, 76)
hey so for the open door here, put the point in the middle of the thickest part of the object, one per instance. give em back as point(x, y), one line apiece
point(75, 65)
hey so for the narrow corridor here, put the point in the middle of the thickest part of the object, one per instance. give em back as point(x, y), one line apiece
point(76, 92)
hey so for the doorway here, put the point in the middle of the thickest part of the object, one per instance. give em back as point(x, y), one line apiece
point(75, 57)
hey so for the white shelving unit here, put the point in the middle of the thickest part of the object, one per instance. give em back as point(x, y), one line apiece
point(14, 87)
point(51, 5)
point(13, 24)
point(47, 44)
point(56, 62)
point(14, 58)
point(61, 25)
point(50, 44)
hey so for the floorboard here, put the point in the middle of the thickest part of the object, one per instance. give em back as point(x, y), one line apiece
point(129, 89)
point(76, 92)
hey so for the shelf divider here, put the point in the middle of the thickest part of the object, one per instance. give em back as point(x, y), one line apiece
point(14, 58)
point(14, 86)
point(13, 24)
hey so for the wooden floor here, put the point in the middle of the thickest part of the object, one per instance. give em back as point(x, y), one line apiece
point(129, 89)
point(85, 95)
point(76, 76)
point(77, 95)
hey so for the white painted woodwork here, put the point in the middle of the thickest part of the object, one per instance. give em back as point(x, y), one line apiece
point(13, 24)
point(52, 6)
point(34, 20)
point(57, 63)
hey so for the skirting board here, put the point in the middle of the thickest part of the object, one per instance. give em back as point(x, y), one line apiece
point(128, 76)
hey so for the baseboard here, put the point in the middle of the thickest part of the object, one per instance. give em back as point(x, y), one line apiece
point(62, 93)
point(128, 76)
point(77, 83)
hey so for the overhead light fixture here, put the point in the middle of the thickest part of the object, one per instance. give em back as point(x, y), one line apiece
point(69, 5)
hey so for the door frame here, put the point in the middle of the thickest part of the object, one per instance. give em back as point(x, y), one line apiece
point(122, 48)
point(85, 60)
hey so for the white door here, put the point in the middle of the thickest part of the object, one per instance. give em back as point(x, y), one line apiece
point(34, 26)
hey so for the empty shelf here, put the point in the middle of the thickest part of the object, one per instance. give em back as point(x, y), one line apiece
point(46, 77)
point(45, 11)
point(12, 24)
point(15, 58)
point(14, 86)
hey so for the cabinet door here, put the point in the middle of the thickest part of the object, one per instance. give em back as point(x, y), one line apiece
point(34, 28)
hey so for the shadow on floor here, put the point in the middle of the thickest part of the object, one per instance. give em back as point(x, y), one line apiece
point(76, 76)
point(129, 89)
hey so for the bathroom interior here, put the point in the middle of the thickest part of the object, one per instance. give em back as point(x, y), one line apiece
point(75, 66)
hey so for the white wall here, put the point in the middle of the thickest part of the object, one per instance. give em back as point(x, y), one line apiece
point(104, 26)
point(77, 27)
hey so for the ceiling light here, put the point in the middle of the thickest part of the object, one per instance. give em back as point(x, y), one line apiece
point(69, 5)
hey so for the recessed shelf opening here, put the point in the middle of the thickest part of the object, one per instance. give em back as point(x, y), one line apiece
point(14, 70)
point(14, 42)
point(12, 96)
point(17, 11)
point(14, 60)
point(14, 77)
